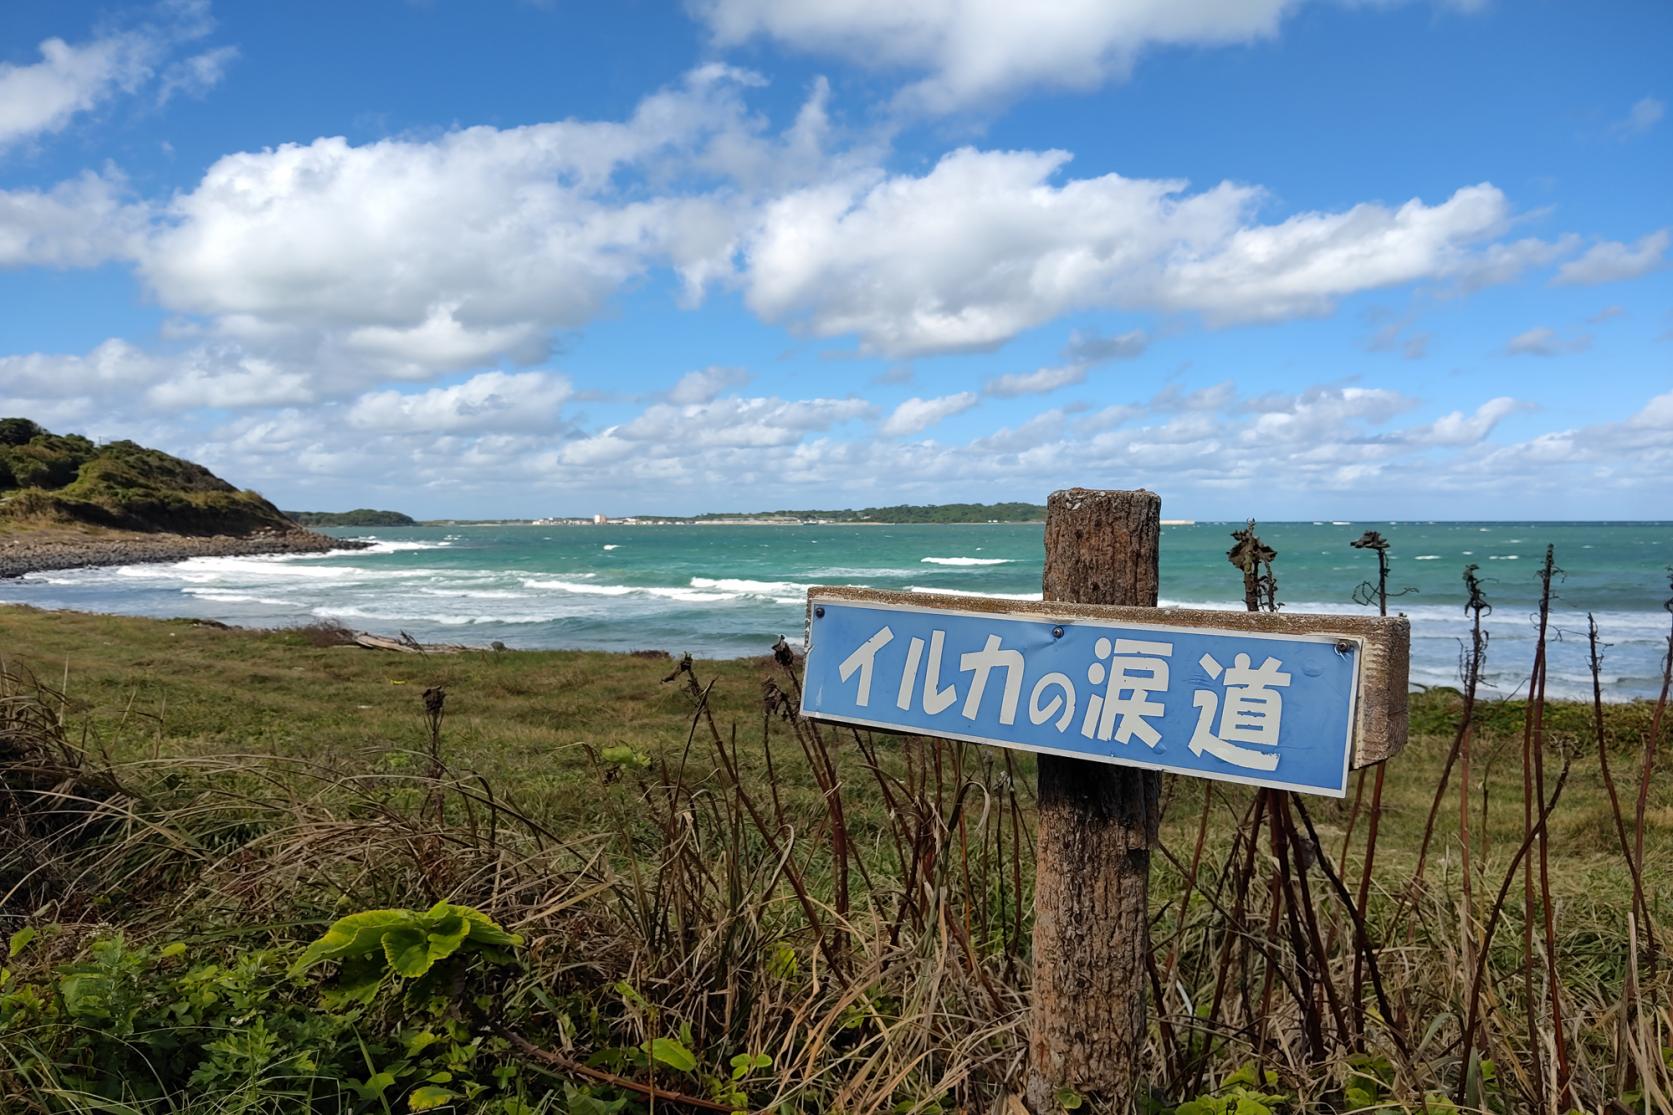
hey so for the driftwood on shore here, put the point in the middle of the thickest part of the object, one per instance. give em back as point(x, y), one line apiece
point(406, 644)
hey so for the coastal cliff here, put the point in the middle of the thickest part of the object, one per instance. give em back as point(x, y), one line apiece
point(66, 502)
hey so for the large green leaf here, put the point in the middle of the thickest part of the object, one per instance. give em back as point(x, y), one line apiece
point(670, 1052)
point(411, 942)
point(19, 941)
point(483, 931)
point(447, 934)
point(429, 1097)
point(354, 935)
point(408, 951)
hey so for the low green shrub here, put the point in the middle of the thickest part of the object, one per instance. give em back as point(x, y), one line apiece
point(403, 1024)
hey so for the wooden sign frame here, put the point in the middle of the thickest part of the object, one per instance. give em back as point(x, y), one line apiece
point(1381, 713)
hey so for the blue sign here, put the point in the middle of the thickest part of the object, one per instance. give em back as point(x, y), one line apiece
point(1265, 710)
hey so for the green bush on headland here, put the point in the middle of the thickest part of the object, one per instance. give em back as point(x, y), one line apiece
point(359, 517)
point(66, 478)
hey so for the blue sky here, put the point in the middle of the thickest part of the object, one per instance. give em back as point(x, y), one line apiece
point(1331, 259)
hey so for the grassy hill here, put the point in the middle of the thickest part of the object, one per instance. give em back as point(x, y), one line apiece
point(359, 517)
point(65, 479)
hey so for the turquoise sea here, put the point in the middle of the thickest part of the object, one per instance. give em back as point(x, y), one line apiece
point(727, 591)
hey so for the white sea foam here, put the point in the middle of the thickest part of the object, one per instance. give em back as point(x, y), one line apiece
point(577, 587)
point(243, 570)
point(752, 588)
point(691, 595)
point(219, 596)
point(611, 545)
point(447, 619)
point(845, 572)
point(382, 591)
point(685, 594)
point(967, 592)
point(389, 546)
point(476, 593)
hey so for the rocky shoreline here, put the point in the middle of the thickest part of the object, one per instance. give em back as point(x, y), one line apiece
point(36, 555)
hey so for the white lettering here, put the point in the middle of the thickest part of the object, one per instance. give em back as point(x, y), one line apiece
point(1253, 712)
point(937, 699)
point(1065, 700)
point(1135, 673)
point(981, 663)
point(909, 674)
point(863, 659)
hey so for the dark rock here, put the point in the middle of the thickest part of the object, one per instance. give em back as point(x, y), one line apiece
point(23, 554)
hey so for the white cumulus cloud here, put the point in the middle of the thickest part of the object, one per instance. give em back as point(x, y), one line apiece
point(81, 222)
point(226, 377)
point(430, 256)
point(989, 243)
point(1542, 340)
point(706, 384)
point(1611, 261)
point(112, 365)
point(916, 415)
point(976, 50)
point(42, 97)
point(1644, 114)
point(489, 401)
point(1037, 382)
point(740, 422)
point(1458, 428)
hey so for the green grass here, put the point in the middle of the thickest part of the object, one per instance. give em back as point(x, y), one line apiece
point(176, 688)
point(294, 783)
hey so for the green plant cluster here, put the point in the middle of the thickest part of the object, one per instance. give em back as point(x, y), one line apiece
point(134, 1027)
point(412, 1017)
point(1252, 1090)
point(122, 485)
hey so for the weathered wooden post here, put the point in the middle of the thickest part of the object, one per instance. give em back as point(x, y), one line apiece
point(1109, 690)
point(1097, 822)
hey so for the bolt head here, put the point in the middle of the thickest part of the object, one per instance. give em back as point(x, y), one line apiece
point(819, 612)
point(1057, 632)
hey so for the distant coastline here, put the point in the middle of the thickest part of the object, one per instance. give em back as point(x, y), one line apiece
point(900, 514)
point(359, 517)
point(736, 521)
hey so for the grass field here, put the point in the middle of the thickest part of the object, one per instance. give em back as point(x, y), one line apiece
point(720, 906)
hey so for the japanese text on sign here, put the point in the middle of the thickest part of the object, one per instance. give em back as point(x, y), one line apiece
point(1274, 710)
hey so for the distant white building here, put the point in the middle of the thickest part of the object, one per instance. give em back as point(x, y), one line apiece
point(599, 520)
